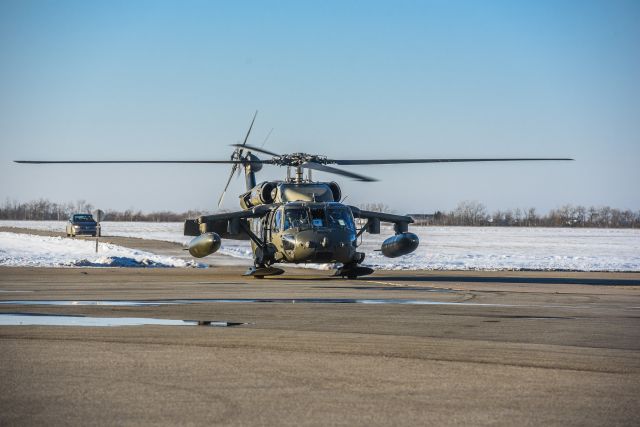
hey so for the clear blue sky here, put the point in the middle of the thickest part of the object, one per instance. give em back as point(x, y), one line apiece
point(181, 80)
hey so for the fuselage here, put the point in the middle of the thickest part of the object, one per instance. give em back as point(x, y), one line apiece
point(311, 232)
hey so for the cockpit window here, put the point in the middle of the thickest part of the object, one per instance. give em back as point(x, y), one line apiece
point(340, 217)
point(302, 217)
point(296, 218)
point(317, 217)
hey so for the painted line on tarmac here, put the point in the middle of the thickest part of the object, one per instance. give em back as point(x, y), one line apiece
point(152, 303)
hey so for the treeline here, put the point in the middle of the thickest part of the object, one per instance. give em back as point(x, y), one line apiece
point(160, 216)
point(473, 213)
point(467, 213)
point(44, 210)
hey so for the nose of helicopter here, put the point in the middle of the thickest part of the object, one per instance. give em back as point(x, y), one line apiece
point(323, 246)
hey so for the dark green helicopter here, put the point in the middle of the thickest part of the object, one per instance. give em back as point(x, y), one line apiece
point(297, 220)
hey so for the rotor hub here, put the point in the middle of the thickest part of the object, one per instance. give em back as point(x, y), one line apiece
point(298, 159)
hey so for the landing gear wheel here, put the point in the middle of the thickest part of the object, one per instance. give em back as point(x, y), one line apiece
point(353, 271)
point(260, 271)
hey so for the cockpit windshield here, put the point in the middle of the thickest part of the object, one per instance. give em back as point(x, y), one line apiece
point(296, 218)
point(334, 217)
point(340, 217)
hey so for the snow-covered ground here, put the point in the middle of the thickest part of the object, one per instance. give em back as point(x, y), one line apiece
point(446, 248)
point(19, 250)
point(515, 248)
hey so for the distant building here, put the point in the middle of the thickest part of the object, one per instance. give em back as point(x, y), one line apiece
point(425, 219)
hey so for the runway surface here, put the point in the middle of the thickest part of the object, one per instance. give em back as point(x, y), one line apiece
point(395, 348)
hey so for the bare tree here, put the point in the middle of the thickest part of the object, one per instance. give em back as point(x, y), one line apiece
point(532, 217)
point(471, 212)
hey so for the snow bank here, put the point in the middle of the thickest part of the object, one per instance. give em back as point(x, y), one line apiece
point(20, 250)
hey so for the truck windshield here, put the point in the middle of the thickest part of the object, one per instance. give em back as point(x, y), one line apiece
point(296, 218)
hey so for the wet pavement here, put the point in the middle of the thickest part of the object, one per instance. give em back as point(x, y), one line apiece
point(307, 349)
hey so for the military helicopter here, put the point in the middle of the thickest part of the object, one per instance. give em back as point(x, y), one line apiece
point(297, 220)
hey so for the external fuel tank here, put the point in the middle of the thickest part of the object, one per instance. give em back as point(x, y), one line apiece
point(400, 244)
point(205, 244)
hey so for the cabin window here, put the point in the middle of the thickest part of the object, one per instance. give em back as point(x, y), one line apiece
point(256, 226)
point(277, 221)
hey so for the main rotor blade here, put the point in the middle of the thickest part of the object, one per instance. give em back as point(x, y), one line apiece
point(323, 168)
point(232, 162)
point(250, 127)
point(233, 169)
point(401, 161)
point(259, 150)
point(266, 138)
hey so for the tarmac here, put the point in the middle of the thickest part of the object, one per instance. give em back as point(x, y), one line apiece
point(305, 348)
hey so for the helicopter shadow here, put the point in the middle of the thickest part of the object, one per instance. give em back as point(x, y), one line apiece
point(303, 279)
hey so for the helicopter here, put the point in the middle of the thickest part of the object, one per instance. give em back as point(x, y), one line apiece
point(297, 220)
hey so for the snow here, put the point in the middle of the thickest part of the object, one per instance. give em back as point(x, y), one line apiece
point(444, 248)
point(165, 231)
point(513, 248)
point(26, 250)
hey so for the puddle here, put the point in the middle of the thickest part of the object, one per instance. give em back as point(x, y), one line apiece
point(30, 319)
point(389, 288)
